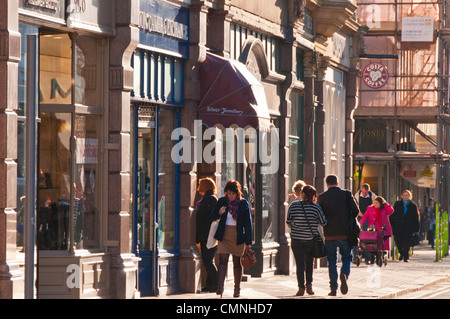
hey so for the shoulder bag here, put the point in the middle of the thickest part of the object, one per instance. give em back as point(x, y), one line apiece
point(318, 247)
point(212, 242)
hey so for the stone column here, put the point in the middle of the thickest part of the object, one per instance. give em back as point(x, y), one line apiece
point(11, 276)
point(288, 63)
point(123, 262)
point(219, 32)
point(309, 161)
point(351, 103)
point(189, 267)
point(323, 64)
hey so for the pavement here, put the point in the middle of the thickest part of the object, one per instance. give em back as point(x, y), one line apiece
point(394, 280)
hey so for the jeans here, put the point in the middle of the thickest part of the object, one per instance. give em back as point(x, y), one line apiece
point(346, 253)
point(304, 261)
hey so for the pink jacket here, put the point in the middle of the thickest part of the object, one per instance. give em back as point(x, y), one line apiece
point(383, 221)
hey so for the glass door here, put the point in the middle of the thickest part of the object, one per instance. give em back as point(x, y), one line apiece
point(144, 198)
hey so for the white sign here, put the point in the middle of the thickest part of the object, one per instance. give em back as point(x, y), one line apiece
point(87, 149)
point(417, 29)
point(420, 173)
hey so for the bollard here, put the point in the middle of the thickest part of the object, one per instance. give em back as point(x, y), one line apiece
point(437, 236)
point(445, 234)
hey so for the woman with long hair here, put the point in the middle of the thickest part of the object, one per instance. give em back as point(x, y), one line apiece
point(234, 233)
point(304, 218)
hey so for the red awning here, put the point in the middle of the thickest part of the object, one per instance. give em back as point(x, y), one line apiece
point(231, 95)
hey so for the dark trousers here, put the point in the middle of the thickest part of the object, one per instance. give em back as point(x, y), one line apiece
point(304, 261)
point(403, 243)
point(208, 262)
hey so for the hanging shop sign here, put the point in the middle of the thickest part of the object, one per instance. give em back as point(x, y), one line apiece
point(49, 10)
point(375, 75)
point(91, 15)
point(417, 29)
point(419, 173)
point(164, 27)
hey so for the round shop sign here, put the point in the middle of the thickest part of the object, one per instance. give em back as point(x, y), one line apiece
point(375, 75)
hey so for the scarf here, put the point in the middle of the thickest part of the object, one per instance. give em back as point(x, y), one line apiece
point(233, 207)
point(405, 205)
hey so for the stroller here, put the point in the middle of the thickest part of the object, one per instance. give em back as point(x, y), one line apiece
point(372, 240)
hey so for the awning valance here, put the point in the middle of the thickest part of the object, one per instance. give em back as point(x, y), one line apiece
point(231, 95)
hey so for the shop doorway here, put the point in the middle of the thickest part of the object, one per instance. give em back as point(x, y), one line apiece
point(145, 212)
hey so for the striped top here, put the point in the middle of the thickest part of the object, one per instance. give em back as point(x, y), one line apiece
point(299, 226)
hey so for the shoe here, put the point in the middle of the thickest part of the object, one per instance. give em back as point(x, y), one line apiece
point(400, 258)
point(309, 289)
point(300, 292)
point(344, 286)
point(332, 293)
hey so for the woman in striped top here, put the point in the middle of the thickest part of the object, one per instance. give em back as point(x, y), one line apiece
point(302, 236)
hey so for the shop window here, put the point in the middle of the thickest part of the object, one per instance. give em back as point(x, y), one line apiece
point(166, 181)
point(69, 200)
point(157, 78)
point(238, 36)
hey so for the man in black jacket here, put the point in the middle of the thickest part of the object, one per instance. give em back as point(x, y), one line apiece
point(338, 205)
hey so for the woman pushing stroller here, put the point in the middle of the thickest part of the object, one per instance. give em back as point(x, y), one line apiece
point(377, 218)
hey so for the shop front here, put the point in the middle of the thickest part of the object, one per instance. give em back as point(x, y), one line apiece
point(73, 227)
point(157, 100)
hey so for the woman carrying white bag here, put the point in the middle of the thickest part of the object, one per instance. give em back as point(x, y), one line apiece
point(205, 225)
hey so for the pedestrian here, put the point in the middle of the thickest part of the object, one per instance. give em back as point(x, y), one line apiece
point(304, 216)
point(204, 208)
point(377, 217)
point(234, 233)
point(338, 206)
point(405, 222)
point(297, 190)
point(364, 198)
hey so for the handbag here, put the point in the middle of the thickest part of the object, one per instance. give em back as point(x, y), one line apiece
point(318, 246)
point(249, 259)
point(212, 242)
point(415, 239)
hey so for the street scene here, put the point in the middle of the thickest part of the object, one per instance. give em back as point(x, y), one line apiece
point(171, 150)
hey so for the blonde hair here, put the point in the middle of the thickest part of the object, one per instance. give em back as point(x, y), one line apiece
point(298, 186)
point(205, 184)
point(409, 192)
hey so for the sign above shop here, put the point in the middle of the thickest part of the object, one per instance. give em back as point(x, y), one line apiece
point(417, 29)
point(375, 75)
point(91, 15)
point(52, 10)
point(420, 173)
point(164, 27)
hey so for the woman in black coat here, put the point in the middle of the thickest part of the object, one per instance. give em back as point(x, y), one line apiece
point(404, 222)
point(234, 233)
point(206, 188)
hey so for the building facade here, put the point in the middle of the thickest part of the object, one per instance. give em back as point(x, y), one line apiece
point(121, 84)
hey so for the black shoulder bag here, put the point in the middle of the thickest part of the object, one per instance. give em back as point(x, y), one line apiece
point(353, 227)
point(318, 247)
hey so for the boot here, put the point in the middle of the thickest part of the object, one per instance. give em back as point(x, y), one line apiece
point(221, 274)
point(237, 270)
point(309, 289)
point(237, 282)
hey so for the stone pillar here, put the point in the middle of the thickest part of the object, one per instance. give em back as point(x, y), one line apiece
point(309, 161)
point(351, 103)
point(219, 32)
point(189, 267)
point(288, 63)
point(320, 125)
point(123, 262)
point(11, 276)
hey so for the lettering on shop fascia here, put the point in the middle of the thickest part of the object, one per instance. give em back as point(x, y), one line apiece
point(166, 27)
point(46, 4)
